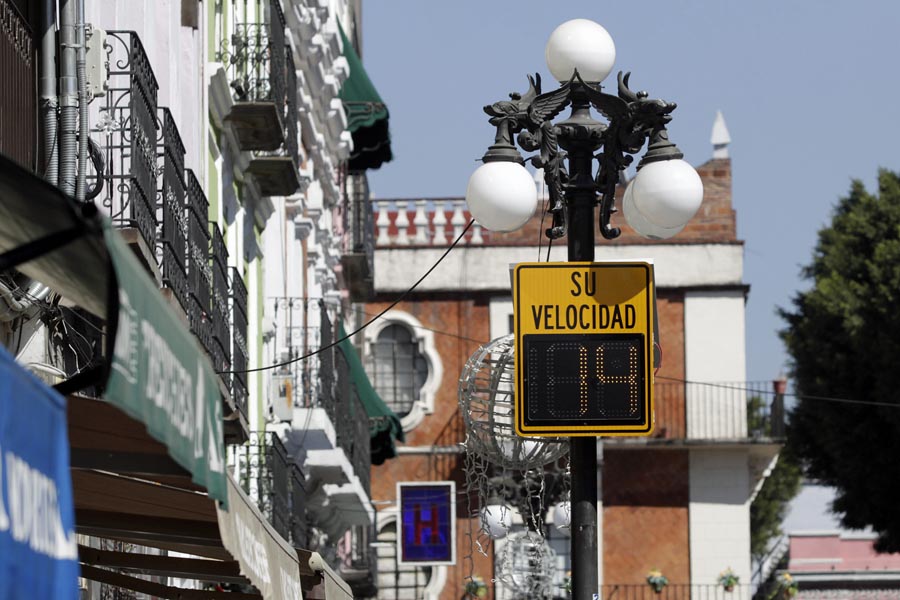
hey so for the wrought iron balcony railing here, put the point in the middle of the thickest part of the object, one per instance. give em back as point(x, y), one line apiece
point(199, 271)
point(18, 114)
point(129, 130)
point(265, 473)
point(327, 393)
point(674, 591)
point(299, 519)
point(221, 329)
point(239, 350)
point(359, 261)
point(352, 425)
point(173, 233)
point(262, 75)
point(718, 410)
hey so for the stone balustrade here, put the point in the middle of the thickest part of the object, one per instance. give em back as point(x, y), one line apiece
point(425, 223)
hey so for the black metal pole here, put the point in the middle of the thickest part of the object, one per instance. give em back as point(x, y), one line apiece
point(581, 199)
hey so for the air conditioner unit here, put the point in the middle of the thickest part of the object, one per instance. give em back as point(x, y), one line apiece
point(281, 392)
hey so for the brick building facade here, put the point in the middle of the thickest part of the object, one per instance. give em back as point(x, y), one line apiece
point(677, 501)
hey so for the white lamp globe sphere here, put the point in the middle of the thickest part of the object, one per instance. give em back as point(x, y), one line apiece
point(501, 195)
point(496, 519)
point(580, 44)
point(639, 223)
point(667, 193)
point(562, 517)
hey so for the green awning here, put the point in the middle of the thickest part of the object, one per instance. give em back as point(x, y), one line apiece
point(367, 115)
point(157, 373)
point(384, 425)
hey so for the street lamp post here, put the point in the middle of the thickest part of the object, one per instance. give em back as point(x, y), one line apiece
point(658, 202)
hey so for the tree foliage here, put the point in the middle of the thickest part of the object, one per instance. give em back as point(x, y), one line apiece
point(771, 503)
point(843, 335)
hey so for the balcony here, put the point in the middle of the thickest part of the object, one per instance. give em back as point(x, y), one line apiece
point(358, 261)
point(18, 117)
point(330, 426)
point(239, 351)
point(266, 474)
point(718, 411)
point(129, 129)
point(263, 116)
point(161, 209)
point(410, 223)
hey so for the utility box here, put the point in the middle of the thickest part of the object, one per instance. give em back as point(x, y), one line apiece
point(281, 392)
point(96, 66)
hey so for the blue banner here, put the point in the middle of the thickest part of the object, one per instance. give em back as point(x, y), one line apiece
point(38, 548)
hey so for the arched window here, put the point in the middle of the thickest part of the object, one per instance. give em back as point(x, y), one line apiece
point(397, 368)
point(403, 365)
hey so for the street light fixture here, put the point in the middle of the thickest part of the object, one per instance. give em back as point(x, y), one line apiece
point(658, 203)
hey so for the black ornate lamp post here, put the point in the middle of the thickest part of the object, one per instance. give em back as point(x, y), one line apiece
point(658, 203)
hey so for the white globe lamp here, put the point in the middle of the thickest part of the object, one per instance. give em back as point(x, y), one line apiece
point(501, 195)
point(641, 224)
point(496, 519)
point(583, 45)
point(667, 193)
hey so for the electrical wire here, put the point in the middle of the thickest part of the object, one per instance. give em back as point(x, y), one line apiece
point(370, 321)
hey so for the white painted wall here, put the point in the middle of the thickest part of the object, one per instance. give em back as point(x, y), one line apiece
point(719, 513)
point(487, 267)
point(715, 352)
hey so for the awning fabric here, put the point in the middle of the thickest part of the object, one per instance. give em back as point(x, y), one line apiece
point(38, 548)
point(384, 425)
point(160, 375)
point(264, 558)
point(367, 115)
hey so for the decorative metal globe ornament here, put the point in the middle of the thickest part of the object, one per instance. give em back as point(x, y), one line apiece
point(527, 565)
point(486, 399)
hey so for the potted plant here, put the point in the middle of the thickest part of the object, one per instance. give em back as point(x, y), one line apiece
point(728, 579)
point(786, 588)
point(657, 580)
point(476, 587)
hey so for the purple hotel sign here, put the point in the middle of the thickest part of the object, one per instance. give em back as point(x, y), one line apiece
point(427, 534)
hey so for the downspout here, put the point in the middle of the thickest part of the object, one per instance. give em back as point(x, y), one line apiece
point(47, 87)
point(81, 75)
point(68, 97)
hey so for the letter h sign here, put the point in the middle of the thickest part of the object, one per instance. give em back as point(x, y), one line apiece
point(427, 523)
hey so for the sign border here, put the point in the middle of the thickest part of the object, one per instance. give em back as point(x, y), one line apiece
point(644, 429)
point(446, 483)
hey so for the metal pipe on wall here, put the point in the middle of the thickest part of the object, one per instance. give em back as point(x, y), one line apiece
point(81, 76)
point(47, 90)
point(68, 97)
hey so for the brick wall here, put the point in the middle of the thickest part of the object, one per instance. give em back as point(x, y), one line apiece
point(669, 395)
point(645, 515)
point(461, 325)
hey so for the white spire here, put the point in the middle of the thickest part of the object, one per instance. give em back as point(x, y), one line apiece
point(720, 138)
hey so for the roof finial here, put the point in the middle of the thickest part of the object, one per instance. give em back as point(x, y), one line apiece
point(720, 138)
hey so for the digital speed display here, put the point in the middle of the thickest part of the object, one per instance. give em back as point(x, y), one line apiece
point(584, 339)
point(584, 379)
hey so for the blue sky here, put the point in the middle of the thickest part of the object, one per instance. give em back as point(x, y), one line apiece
point(810, 91)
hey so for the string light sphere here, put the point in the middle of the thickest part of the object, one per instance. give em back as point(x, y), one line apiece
point(486, 400)
point(527, 565)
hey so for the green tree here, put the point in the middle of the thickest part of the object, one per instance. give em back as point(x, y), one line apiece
point(843, 335)
point(771, 503)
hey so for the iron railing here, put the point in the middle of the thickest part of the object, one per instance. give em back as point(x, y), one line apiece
point(731, 409)
point(292, 116)
point(18, 105)
point(221, 337)
point(199, 272)
point(362, 217)
point(674, 591)
point(239, 351)
point(351, 427)
point(129, 126)
point(263, 470)
point(326, 392)
point(299, 519)
point(173, 234)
